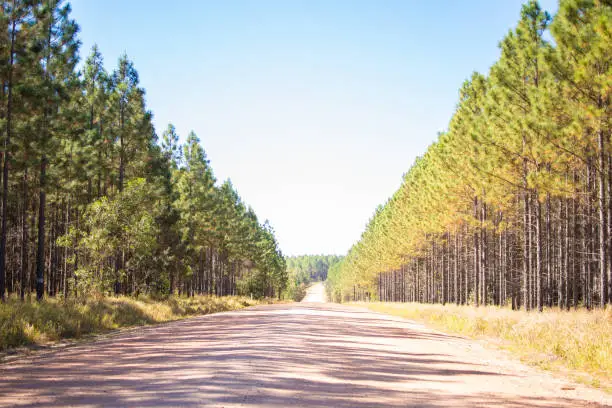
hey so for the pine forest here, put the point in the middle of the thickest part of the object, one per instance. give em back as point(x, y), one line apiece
point(511, 205)
point(93, 200)
point(132, 274)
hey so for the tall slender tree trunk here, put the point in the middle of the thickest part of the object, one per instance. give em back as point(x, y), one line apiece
point(588, 235)
point(42, 200)
point(466, 270)
point(7, 159)
point(120, 254)
point(483, 254)
point(456, 269)
point(525, 250)
point(476, 258)
point(609, 227)
point(548, 254)
point(40, 253)
point(538, 237)
point(574, 247)
point(444, 276)
point(566, 256)
point(531, 277)
point(603, 227)
point(560, 238)
point(501, 267)
point(24, 236)
point(66, 285)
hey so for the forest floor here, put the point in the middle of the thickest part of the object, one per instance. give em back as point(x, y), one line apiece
point(298, 355)
point(575, 344)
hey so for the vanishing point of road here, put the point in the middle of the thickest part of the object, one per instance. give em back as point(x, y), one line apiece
point(288, 355)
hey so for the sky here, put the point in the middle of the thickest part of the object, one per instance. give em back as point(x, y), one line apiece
point(314, 109)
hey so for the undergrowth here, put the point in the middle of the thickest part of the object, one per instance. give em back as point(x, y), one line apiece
point(27, 323)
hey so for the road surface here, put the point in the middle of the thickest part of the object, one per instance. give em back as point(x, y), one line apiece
point(290, 355)
point(315, 294)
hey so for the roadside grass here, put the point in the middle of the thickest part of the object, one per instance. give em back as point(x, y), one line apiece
point(578, 343)
point(29, 323)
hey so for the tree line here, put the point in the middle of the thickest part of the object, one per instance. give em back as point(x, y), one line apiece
point(512, 205)
point(305, 269)
point(309, 268)
point(91, 199)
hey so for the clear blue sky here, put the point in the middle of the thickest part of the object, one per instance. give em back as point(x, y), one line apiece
point(313, 108)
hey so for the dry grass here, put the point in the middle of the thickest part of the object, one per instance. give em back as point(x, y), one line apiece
point(578, 343)
point(30, 323)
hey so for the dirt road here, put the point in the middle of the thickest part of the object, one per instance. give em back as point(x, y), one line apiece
point(315, 294)
point(295, 355)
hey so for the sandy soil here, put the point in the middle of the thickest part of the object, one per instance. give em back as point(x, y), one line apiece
point(290, 355)
point(315, 294)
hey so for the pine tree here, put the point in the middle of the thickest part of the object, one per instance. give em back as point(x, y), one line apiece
point(58, 55)
point(582, 62)
point(15, 19)
point(525, 176)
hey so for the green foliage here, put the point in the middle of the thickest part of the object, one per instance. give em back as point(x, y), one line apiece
point(304, 269)
point(517, 192)
point(296, 291)
point(115, 209)
point(309, 268)
point(270, 269)
point(124, 222)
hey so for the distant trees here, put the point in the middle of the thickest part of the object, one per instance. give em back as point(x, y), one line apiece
point(90, 201)
point(513, 204)
point(308, 268)
point(304, 269)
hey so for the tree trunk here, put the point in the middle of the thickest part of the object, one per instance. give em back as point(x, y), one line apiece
point(525, 250)
point(40, 253)
point(603, 228)
point(538, 232)
point(7, 160)
point(24, 236)
point(476, 258)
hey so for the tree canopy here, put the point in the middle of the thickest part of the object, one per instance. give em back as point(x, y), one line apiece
point(512, 204)
point(94, 196)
